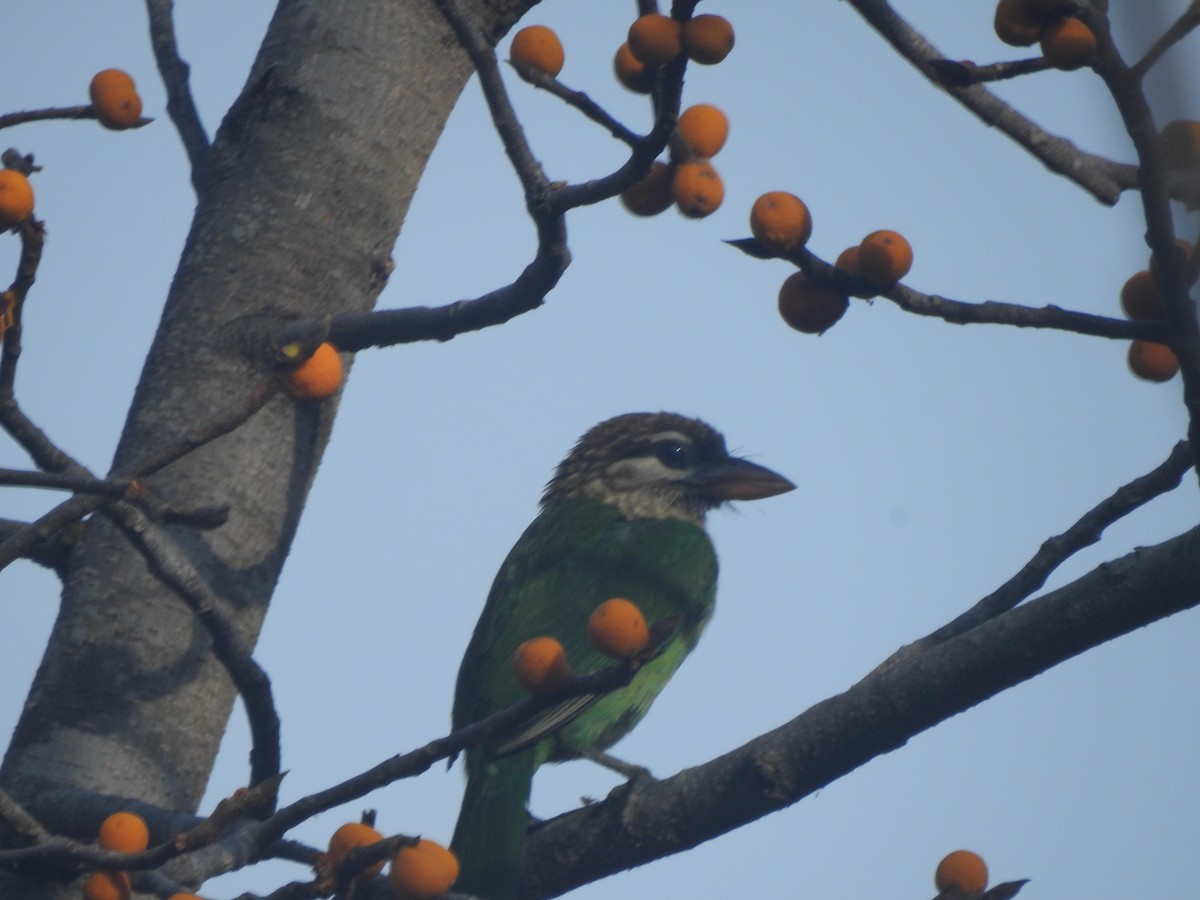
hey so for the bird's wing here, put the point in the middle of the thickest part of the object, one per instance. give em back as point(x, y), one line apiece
point(575, 555)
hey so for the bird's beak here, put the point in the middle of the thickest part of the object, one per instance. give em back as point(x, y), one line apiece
point(738, 479)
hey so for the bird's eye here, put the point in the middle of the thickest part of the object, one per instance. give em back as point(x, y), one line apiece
point(673, 453)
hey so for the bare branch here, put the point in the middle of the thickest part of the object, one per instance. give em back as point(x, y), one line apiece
point(1180, 28)
point(180, 105)
point(44, 115)
point(1102, 178)
point(645, 820)
point(960, 312)
point(1056, 550)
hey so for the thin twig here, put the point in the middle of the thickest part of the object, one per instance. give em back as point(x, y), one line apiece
point(960, 312)
point(176, 571)
point(578, 100)
point(1058, 549)
point(174, 71)
point(20, 822)
point(960, 73)
point(1102, 178)
point(1179, 29)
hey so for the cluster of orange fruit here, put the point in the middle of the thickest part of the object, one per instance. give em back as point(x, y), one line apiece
point(1066, 42)
point(419, 871)
point(693, 185)
point(782, 224)
point(961, 871)
point(115, 100)
point(1141, 299)
point(122, 832)
point(615, 628)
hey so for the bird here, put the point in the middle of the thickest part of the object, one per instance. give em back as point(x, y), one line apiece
point(622, 516)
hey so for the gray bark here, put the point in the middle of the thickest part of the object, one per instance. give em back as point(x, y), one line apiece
point(303, 196)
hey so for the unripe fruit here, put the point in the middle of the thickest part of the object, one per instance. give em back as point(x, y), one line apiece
point(1068, 44)
point(618, 629)
point(16, 198)
point(634, 74)
point(124, 832)
point(809, 306)
point(697, 189)
point(115, 99)
point(656, 39)
point(1152, 362)
point(961, 870)
point(704, 128)
point(349, 836)
point(707, 39)
point(539, 47)
point(652, 194)
point(884, 257)
point(540, 665)
point(318, 376)
point(780, 222)
point(423, 871)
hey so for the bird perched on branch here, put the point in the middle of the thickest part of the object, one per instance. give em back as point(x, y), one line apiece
point(623, 516)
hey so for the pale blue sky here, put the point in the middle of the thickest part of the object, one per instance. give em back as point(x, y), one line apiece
point(931, 460)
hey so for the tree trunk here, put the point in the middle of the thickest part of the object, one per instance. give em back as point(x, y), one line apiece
point(302, 199)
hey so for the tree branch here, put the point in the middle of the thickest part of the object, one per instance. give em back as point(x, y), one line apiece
point(1102, 178)
point(174, 71)
point(646, 820)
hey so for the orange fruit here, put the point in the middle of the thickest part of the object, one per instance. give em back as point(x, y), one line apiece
point(1181, 144)
point(16, 198)
point(540, 665)
point(1068, 44)
point(961, 870)
point(634, 74)
point(703, 128)
point(652, 194)
point(115, 99)
point(655, 39)
point(780, 222)
point(318, 376)
point(707, 39)
point(349, 836)
point(539, 47)
point(884, 257)
point(1140, 297)
point(1019, 22)
point(422, 871)
point(1152, 362)
point(809, 306)
point(847, 261)
point(107, 886)
point(697, 189)
point(618, 629)
point(124, 832)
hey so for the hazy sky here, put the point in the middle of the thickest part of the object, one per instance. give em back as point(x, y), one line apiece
point(931, 460)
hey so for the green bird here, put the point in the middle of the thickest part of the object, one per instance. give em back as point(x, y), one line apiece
point(623, 516)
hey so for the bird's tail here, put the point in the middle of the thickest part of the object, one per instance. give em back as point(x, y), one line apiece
point(491, 825)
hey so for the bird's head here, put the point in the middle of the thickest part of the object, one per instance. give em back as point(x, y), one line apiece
point(659, 466)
